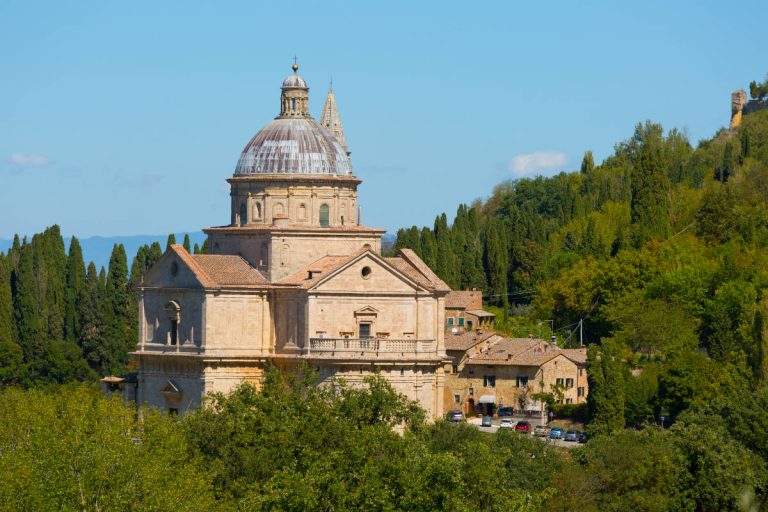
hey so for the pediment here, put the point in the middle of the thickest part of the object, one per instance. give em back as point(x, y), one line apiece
point(173, 270)
point(367, 272)
point(367, 311)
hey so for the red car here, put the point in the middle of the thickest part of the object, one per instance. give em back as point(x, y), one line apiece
point(523, 426)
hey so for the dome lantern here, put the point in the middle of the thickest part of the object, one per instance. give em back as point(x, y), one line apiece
point(294, 99)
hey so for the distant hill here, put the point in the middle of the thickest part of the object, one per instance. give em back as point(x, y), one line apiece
point(99, 248)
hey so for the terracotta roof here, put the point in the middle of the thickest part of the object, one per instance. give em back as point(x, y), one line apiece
point(480, 313)
point(318, 269)
point(466, 340)
point(463, 299)
point(525, 352)
point(577, 355)
point(436, 283)
point(228, 270)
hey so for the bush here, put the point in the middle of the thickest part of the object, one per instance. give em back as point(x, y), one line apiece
point(575, 412)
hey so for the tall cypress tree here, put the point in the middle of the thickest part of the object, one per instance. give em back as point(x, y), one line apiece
point(92, 311)
point(446, 262)
point(6, 301)
point(587, 163)
point(196, 249)
point(171, 241)
point(605, 402)
point(153, 254)
point(204, 248)
point(428, 247)
point(650, 202)
point(75, 293)
point(117, 313)
point(497, 263)
point(25, 303)
point(186, 243)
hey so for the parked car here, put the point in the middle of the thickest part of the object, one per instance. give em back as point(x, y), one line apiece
point(505, 412)
point(541, 431)
point(572, 435)
point(583, 437)
point(487, 421)
point(506, 423)
point(556, 433)
point(523, 426)
point(455, 416)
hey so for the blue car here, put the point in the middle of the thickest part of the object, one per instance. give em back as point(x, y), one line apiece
point(556, 433)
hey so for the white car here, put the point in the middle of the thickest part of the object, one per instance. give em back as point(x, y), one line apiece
point(506, 423)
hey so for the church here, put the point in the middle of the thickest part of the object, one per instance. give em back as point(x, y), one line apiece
point(294, 278)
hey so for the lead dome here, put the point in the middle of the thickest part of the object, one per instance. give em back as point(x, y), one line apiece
point(294, 143)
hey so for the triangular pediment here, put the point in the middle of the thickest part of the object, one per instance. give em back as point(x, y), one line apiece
point(367, 311)
point(370, 272)
point(175, 269)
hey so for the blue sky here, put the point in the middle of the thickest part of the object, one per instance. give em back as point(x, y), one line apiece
point(126, 118)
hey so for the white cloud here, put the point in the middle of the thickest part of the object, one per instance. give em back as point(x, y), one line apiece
point(527, 164)
point(22, 160)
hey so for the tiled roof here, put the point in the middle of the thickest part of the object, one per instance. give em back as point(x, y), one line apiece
point(480, 313)
point(525, 352)
point(318, 269)
point(466, 340)
point(436, 283)
point(219, 270)
point(464, 299)
point(577, 355)
point(227, 270)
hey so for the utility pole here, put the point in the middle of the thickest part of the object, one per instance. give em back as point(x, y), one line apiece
point(581, 332)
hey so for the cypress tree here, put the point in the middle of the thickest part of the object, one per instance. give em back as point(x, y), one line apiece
point(50, 267)
point(186, 244)
point(6, 301)
point(25, 303)
point(117, 314)
point(153, 254)
point(196, 249)
point(587, 163)
point(496, 263)
point(75, 293)
point(428, 247)
point(171, 241)
point(725, 169)
point(649, 204)
point(91, 339)
point(605, 402)
point(446, 264)
point(204, 248)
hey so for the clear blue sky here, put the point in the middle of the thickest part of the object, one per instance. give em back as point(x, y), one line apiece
point(121, 118)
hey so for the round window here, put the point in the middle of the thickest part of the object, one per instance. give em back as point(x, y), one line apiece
point(366, 272)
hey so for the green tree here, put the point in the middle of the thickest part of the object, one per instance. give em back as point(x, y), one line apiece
point(186, 243)
point(171, 241)
point(649, 205)
point(587, 163)
point(75, 293)
point(606, 389)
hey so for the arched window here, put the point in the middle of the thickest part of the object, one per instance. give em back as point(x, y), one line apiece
point(257, 211)
point(293, 104)
point(243, 214)
point(277, 209)
point(324, 214)
point(173, 311)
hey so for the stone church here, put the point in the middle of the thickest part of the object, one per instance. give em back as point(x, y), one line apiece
point(294, 278)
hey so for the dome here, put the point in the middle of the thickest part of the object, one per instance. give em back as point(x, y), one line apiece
point(293, 146)
point(295, 82)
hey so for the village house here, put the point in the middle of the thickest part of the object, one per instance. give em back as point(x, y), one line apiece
point(464, 312)
point(488, 371)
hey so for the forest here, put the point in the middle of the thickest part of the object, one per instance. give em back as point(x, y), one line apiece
point(659, 252)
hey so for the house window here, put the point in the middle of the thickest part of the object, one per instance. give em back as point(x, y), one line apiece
point(451, 321)
point(581, 371)
point(568, 383)
point(568, 400)
point(489, 381)
point(457, 399)
point(471, 391)
point(257, 211)
point(455, 368)
point(324, 216)
point(293, 104)
point(365, 330)
point(461, 321)
point(580, 391)
point(521, 382)
point(560, 382)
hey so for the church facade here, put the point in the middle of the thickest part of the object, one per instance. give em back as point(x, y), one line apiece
point(294, 278)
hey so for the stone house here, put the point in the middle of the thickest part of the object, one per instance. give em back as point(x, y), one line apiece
point(464, 312)
point(495, 372)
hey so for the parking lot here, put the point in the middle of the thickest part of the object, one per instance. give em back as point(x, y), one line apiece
point(495, 426)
